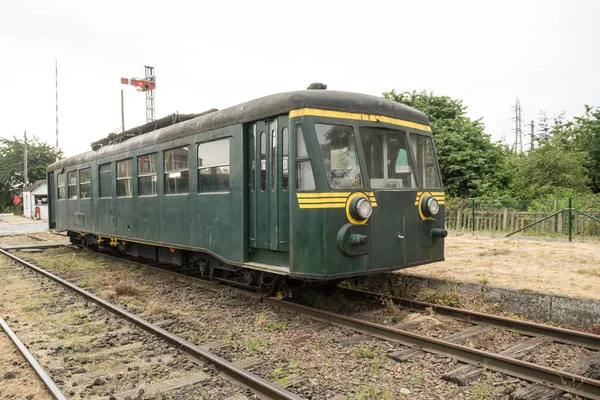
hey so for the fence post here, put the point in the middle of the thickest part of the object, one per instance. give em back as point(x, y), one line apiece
point(473, 213)
point(505, 219)
point(569, 217)
point(555, 221)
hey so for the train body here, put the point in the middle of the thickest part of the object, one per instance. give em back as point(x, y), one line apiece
point(312, 184)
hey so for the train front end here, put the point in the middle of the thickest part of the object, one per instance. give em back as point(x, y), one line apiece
point(368, 196)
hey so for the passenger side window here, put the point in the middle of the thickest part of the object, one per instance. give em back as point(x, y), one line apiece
point(72, 185)
point(124, 175)
point(147, 175)
point(176, 171)
point(284, 158)
point(85, 186)
point(105, 179)
point(213, 166)
point(305, 179)
point(263, 161)
point(61, 186)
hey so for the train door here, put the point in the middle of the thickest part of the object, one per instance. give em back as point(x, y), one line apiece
point(268, 184)
point(51, 201)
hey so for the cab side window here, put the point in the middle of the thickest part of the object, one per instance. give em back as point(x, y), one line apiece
point(305, 179)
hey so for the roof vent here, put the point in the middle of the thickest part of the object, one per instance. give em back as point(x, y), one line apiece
point(317, 86)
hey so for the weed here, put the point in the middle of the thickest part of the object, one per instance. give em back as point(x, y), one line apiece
point(417, 378)
point(346, 284)
point(376, 363)
point(276, 326)
point(483, 389)
point(589, 272)
point(253, 344)
point(282, 381)
point(365, 352)
point(124, 289)
point(261, 319)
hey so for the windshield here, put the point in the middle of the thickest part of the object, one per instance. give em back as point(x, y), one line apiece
point(422, 146)
point(340, 158)
point(387, 157)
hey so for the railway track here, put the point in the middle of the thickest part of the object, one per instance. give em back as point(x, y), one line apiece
point(581, 378)
point(107, 354)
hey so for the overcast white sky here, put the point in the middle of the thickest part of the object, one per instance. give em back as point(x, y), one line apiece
point(222, 53)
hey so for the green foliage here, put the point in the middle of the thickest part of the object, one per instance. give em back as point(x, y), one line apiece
point(585, 133)
point(39, 156)
point(551, 170)
point(471, 164)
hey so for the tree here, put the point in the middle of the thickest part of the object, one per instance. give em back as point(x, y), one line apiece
point(585, 135)
point(471, 164)
point(39, 156)
point(549, 170)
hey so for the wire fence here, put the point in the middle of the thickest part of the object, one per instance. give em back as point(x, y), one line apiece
point(579, 216)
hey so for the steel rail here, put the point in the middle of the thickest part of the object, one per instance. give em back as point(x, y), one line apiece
point(557, 334)
point(571, 383)
point(39, 370)
point(259, 385)
point(567, 382)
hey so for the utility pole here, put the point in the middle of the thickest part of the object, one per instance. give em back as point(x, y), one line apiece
point(518, 145)
point(25, 160)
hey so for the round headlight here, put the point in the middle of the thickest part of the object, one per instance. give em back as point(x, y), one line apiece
point(432, 206)
point(363, 208)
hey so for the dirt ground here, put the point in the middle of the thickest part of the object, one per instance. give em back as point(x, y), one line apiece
point(559, 267)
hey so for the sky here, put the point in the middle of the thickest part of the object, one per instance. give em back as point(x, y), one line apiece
point(218, 54)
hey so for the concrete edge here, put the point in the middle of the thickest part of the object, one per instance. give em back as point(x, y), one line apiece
point(545, 307)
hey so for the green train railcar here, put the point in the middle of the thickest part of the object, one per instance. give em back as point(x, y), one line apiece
point(309, 185)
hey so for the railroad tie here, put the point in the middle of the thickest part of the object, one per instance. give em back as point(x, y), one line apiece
point(588, 367)
point(467, 373)
point(458, 337)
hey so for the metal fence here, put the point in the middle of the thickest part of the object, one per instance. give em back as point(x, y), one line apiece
point(543, 218)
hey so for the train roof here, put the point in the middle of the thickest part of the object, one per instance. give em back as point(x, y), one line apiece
point(253, 110)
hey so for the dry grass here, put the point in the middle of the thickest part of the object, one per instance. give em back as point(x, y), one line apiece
point(124, 289)
point(554, 267)
point(26, 383)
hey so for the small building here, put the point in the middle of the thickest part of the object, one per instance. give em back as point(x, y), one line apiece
point(35, 200)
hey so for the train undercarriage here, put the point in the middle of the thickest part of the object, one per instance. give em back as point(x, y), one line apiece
point(199, 264)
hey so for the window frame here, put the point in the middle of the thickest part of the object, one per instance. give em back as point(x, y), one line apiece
point(130, 177)
point(166, 171)
point(147, 174)
point(285, 158)
point(411, 161)
point(76, 185)
point(110, 188)
point(228, 165)
point(300, 159)
point(357, 161)
point(89, 182)
point(436, 164)
point(64, 186)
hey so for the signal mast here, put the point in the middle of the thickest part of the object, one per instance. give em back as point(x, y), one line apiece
point(148, 85)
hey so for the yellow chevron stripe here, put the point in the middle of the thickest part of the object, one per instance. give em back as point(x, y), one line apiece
point(326, 194)
point(328, 205)
point(357, 116)
point(323, 200)
point(323, 205)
